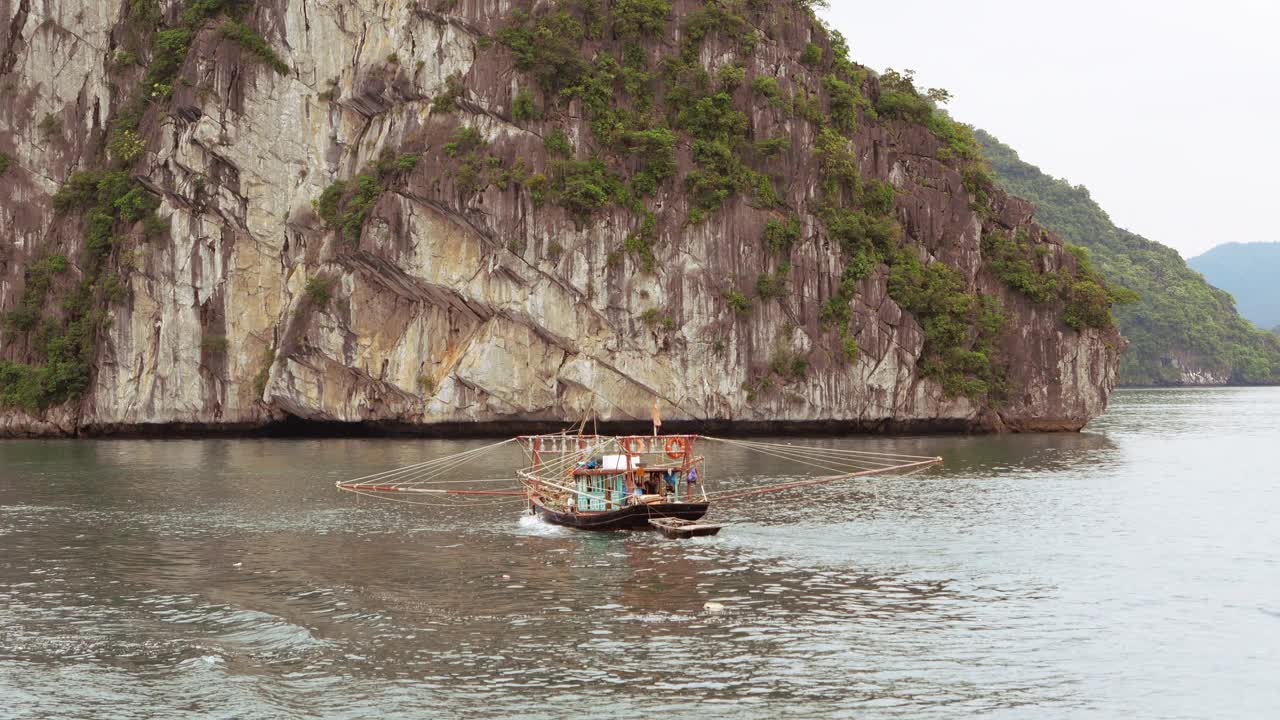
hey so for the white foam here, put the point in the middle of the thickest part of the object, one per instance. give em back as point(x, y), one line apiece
point(534, 525)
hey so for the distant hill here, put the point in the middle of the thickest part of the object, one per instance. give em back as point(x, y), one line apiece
point(1183, 330)
point(1249, 271)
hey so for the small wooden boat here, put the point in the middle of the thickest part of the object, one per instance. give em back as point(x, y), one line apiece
point(679, 528)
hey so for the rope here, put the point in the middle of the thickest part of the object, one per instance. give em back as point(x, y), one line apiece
point(428, 469)
point(823, 481)
point(806, 448)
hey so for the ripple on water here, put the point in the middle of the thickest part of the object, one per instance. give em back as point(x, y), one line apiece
point(1032, 575)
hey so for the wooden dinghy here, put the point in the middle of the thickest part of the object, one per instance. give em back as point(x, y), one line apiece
point(680, 529)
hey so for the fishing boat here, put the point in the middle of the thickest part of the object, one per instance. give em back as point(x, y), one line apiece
point(624, 482)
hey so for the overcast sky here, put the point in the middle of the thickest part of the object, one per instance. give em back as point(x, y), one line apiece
point(1168, 111)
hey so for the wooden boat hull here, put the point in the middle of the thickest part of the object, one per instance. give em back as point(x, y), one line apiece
point(680, 529)
point(632, 517)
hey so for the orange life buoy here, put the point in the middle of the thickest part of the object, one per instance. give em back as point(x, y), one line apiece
point(676, 447)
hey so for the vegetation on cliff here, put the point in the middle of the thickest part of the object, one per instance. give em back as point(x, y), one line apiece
point(642, 106)
point(115, 210)
point(671, 123)
point(1178, 317)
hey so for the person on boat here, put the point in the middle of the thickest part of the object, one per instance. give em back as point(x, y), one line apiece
point(637, 495)
point(693, 476)
point(572, 503)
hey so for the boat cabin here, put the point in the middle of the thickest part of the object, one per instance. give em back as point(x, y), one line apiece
point(632, 470)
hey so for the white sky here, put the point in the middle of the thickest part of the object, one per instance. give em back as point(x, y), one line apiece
point(1169, 112)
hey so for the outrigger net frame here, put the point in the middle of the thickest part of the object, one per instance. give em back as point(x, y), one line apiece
point(413, 483)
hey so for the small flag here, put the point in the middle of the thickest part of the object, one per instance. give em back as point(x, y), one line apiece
point(657, 418)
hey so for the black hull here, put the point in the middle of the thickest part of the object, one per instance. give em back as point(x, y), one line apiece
point(632, 517)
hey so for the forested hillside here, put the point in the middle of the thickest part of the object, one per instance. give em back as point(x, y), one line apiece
point(1249, 272)
point(1182, 330)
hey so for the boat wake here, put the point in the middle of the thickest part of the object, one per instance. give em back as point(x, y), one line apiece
point(537, 527)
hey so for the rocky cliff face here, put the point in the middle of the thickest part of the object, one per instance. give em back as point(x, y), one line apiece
point(473, 285)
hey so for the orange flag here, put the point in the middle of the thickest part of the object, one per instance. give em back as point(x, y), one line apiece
point(657, 419)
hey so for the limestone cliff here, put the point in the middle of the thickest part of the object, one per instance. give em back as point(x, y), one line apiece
point(417, 213)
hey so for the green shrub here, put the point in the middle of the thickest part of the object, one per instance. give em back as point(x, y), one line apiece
point(780, 236)
point(50, 125)
point(407, 162)
point(731, 76)
point(454, 90)
point(523, 108)
point(1010, 261)
point(548, 47)
point(653, 318)
point(346, 205)
point(737, 302)
point(557, 144)
point(114, 289)
point(771, 147)
point(639, 18)
point(125, 145)
point(393, 59)
point(537, 186)
point(639, 244)
point(721, 174)
point(788, 365)
point(960, 328)
point(837, 164)
point(253, 43)
point(849, 348)
point(960, 140)
point(767, 86)
point(464, 140)
point(319, 291)
point(845, 101)
point(584, 186)
point(1088, 306)
point(5, 163)
point(770, 286)
point(812, 55)
point(835, 312)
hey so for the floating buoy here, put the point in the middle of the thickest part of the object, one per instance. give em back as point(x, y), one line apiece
point(713, 607)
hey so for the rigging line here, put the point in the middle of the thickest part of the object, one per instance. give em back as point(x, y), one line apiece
point(803, 451)
point(814, 448)
point(811, 448)
point(426, 475)
point(446, 482)
point(428, 463)
point(387, 498)
point(821, 481)
point(858, 461)
point(844, 462)
point(799, 461)
point(436, 472)
point(448, 464)
point(367, 487)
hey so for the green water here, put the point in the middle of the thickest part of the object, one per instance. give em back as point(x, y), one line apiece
point(1132, 570)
